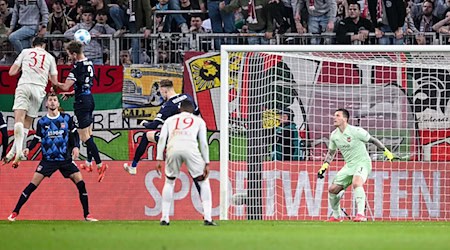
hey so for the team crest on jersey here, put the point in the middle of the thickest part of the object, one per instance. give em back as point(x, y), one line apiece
point(349, 139)
point(63, 125)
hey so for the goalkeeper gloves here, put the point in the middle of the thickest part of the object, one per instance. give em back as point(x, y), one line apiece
point(388, 154)
point(322, 170)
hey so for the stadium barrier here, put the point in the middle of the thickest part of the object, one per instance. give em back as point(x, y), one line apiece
point(169, 48)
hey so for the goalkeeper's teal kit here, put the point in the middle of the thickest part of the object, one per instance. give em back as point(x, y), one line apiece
point(352, 145)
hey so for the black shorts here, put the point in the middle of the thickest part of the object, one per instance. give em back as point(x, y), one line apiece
point(84, 108)
point(66, 168)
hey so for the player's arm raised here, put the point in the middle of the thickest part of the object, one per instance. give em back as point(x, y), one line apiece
point(389, 155)
point(328, 158)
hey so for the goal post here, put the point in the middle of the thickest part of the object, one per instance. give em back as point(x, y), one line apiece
point(277, 104)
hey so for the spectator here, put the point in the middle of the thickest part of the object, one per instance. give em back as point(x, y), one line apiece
point(5, 12)
point(439, 8)
point(57, 45)
point(178, 18)
point(117, 12)
point(425, 22)
point(9, 55)
point(71, 10)
point(58, 21)
point(289, 145)
point(93, 50)
point(257, 15)
point(221, 22)
point(125, 59)
point(3, 30)
point(443, 26)
point(139, 20)
point(196, 24)
point(408, 27)
point(321, 16)
point(283, 15)
point(62, 59)
point(188, 5)
point(32, 19)
point(355, 24)
point(101, 6)
point(388, 16)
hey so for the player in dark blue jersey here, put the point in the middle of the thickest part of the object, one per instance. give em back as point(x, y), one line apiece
point(81, 77)
point(168, 109)
point(4, 132)
point(53, 130)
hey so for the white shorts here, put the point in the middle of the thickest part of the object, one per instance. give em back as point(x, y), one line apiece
point(193, 160)
point(29, 97)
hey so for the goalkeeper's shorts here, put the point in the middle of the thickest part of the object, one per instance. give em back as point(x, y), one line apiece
point(344, 177)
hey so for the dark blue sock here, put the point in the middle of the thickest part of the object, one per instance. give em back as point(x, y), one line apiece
point(89, 156)
point(91, 147)
point(83, 197)
point(24, 197)
point(140, 150)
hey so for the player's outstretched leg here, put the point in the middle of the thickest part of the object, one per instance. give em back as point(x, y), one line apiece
point(140, 150)
point(101, 167)
point(167, 197)
point(87, 165)
point(22, 199)
point(18, 137)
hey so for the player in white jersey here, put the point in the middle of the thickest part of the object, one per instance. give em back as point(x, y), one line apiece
point(37, 66)
point(350, 141)
point(182, 134)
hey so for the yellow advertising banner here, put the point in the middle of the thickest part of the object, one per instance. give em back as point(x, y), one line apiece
point(141, 96)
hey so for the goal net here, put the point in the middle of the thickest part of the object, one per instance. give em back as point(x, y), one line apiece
point(277, 110)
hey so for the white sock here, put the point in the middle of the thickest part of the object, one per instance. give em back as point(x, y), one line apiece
point(25, 135)
point(360, 198)
point(205, 189)
point(18, 138)
point(334, 200)
point(167, 197)
point(12, 151)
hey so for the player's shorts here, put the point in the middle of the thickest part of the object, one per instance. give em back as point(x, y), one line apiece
point(193, 159)
point(29, 97)
point(84, 109)
point(66, 168)
point(344, 177)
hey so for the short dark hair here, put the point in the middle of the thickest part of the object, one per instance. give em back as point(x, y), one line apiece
point(354, 2)
point(74, 47)
point(345, 113)
point(38, 41)
point(88, 9)
point(187, 106)
point(166, 83)
point(196, 15)
point(51, 93)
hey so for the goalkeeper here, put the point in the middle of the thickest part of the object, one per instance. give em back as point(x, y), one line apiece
point(350, 141)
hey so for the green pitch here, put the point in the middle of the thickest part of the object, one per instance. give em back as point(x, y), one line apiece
point(228, 235)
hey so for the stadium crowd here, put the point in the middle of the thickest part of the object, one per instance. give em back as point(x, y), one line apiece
point(242, 21)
